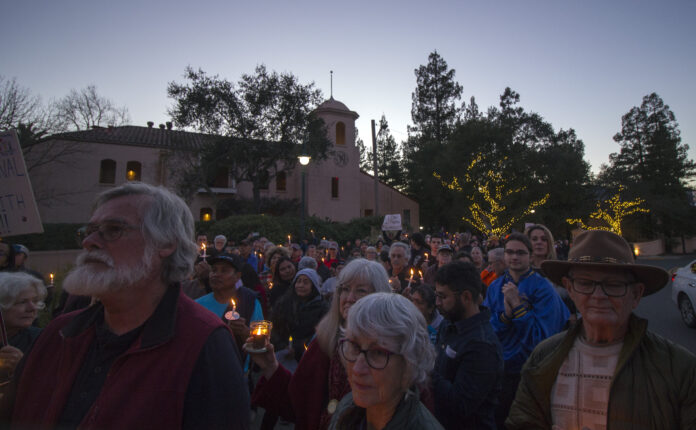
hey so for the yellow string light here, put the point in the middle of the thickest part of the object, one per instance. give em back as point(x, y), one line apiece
point(495, 218)
point(612, 213)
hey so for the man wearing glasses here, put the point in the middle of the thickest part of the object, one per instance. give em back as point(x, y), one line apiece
point(607, 371)
point(525, 309)
point(145, 355)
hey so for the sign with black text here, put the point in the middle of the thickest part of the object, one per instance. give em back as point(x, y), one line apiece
point(18, 211)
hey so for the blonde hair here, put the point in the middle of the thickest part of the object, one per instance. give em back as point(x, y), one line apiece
point(358, 270)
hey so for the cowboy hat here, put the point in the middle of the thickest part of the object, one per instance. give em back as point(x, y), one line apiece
point(603, 249)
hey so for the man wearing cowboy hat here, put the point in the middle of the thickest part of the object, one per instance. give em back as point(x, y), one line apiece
point(607, 371)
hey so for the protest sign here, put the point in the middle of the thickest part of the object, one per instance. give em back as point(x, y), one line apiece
point(392, 222)
point(18, 211)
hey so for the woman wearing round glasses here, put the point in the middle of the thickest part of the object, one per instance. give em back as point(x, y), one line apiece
point(387, 354)
point(21, 298)
point(309, 396)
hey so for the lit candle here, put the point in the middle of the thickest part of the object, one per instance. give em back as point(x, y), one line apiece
point(420, 274)
point(427, 258)
point(260, 330)
point(232, 315)
point(51, 277)
point(204, 250)
point(270, 285)
point(290, 343)
point(289, 239)
point(410, 279)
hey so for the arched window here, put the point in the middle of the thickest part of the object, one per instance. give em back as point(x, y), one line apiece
point(340, 133)
point(281, 181)
point(133, 171)
point(206, 214)
point(107, 172)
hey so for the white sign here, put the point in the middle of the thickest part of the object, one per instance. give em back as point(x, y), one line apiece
point(18, 211)
point(392, 222)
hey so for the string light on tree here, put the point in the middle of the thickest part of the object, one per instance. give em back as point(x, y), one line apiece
point(488, 213)
point(612, 213)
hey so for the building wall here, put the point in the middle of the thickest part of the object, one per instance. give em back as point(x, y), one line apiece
point(390, 201)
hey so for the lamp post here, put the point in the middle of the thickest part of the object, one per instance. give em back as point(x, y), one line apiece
point(304, 161)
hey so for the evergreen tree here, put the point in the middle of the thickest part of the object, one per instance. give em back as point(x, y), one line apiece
point(389, 163)
point(653, 164)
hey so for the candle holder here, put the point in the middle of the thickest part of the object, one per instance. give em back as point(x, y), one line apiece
point(231, 313)
point(260, 331)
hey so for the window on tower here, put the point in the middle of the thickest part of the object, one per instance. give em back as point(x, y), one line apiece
point(340, 133)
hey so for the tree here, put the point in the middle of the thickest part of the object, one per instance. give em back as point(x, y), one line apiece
point(263, 122)
point(434, 108)
point(489, 208)
point(389, 163)
point(86, 109)
point(17, 104)
point(611, 213)
point(654, 165)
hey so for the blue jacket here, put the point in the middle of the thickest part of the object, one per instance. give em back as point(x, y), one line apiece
point(542, 315)
point(468, 373)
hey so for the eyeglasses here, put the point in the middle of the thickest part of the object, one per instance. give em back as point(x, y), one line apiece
point(358, 292)
point(108, 231)
point(610, 288)
point(376, 358)
point(518, 252)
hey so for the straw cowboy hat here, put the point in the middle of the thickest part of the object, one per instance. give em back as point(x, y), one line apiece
point(603, 249)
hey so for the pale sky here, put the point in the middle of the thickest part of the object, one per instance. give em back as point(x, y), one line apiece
point(580, 64)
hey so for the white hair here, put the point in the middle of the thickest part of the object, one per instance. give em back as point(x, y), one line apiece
point(12, 284)
point(358, 270)
point(167, 221)
point(396, 324)
point(406, 248)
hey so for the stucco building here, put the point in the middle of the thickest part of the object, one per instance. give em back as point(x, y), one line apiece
point(101, 158)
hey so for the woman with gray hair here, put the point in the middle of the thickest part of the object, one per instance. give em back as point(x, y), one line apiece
point(21, 298)
point(309, 396)
point(387, 354)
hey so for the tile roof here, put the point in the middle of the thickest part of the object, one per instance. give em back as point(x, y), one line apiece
point(139, 136)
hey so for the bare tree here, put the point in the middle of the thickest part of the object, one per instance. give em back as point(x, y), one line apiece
point(85, 109)
point(17, 104)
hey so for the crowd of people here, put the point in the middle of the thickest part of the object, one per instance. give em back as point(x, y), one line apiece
point(404, 331)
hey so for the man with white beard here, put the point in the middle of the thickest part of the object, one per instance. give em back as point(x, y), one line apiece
point(145, 355)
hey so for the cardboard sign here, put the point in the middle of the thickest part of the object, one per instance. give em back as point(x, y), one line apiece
point(18, 211)
point(392, 222)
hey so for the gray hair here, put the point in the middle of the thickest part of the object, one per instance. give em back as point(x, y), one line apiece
point(220, 236)
point(358, 270)
point(395, 323)
point(12, 284)
point(167, 221)
point(496, 253)
point(407, 249)
point(307, 263)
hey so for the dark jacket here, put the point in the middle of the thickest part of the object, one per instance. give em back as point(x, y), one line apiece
point(298, 317)
point(410, 414)
point(146, 387)
point(468, 373)
point(653, 387)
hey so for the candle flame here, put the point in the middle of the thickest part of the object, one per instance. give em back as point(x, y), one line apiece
point(258, 331)
point(290, 340)
point(233, 303)
point(203, 246)
point(411, 272)
point(305, 347)
point(51, 276)
point(420, 273)
point(270, 285)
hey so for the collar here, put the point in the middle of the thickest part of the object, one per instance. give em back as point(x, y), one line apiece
point(158, 329)
point(466, 324)
point(525, 275)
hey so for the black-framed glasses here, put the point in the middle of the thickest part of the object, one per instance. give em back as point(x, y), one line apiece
point(376, 358)
point(517, 252)
point(610, 288)
point(108, 231)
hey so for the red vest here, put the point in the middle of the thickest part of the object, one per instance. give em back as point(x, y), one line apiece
point(145, 387)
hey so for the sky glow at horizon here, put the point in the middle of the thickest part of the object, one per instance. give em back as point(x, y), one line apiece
point(580, 65)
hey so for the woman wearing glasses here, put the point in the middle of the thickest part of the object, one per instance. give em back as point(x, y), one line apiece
point(310, 396)
point(387, 354)
point(21, 298)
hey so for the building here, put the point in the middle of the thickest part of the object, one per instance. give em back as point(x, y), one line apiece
point(101, 158)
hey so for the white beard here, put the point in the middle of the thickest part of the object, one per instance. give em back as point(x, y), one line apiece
point(95, 279)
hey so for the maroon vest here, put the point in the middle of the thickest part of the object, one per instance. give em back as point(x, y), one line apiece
point(145, 387)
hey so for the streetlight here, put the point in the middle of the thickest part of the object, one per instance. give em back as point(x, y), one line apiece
point(304, 161)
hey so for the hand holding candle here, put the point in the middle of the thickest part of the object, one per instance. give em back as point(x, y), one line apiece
point(232, 315)
point(260, 332)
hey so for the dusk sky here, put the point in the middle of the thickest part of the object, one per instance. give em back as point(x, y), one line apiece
point(579, 64)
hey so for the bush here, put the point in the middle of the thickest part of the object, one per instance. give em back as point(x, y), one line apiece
point(55, 237)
